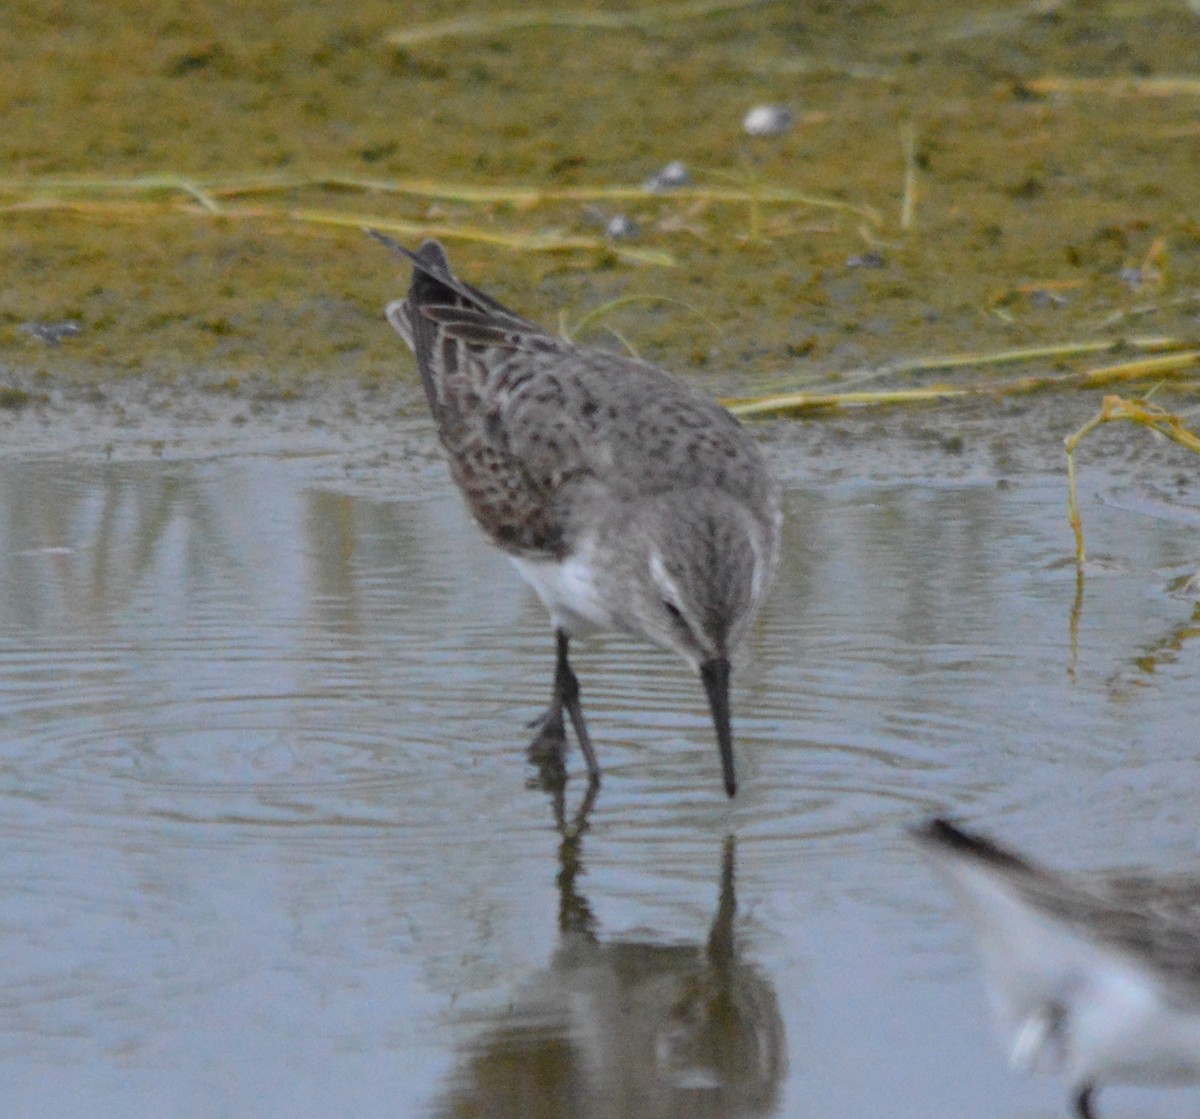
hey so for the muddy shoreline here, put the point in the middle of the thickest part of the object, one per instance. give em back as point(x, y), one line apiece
point(383, 427)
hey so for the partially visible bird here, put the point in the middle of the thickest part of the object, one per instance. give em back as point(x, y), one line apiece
point(1096, 977)
point(629, 500)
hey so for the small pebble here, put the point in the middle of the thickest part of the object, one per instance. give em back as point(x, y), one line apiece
point(674, 175)
point(767, 120)
point(1044, 298)
point(52, 332)
point(1132, 277)
point(870, 259)
point(620, 228)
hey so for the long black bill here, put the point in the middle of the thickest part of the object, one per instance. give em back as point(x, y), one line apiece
point(715, 674)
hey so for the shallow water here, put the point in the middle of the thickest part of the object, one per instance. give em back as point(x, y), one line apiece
point(271, 846)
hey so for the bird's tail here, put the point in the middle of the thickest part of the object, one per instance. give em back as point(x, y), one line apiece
point(444, 320)
point(942, 838)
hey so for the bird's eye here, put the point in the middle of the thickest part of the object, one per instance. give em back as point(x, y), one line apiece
point(674, 611)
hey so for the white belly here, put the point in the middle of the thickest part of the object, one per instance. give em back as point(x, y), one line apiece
point(569, 591)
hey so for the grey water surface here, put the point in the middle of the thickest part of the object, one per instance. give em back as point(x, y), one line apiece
point(269, 844)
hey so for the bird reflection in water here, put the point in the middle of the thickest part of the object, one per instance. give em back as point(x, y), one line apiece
point(634, 1028)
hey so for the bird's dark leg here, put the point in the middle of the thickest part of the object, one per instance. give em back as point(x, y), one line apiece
point(548, 747)
point(1083, 1102)
point(566, 684)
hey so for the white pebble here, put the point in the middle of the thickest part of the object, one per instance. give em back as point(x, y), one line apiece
point(675, 174)
point(620, 228)
point(767, 120)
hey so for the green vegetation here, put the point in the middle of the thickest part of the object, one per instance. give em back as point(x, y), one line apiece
point(188, 184)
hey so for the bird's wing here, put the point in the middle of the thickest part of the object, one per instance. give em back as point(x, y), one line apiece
point(524, 414)
point(469, 350)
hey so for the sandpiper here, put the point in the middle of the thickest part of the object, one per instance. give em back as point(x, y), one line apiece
point(1094, 976)
point(629, 500)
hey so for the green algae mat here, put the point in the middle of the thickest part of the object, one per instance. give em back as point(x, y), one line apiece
point(183, 188)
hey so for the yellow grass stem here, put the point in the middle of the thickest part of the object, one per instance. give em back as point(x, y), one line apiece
point(755, 206)
point(1148, 343)
point(1135, 411)
point(1118, 87)
point(45, 193)
point(572, 332)
point(528, 242)
point(118, 209)
point(1073, 623)
point(195, 191)
point(908, 138)
point(1165, 365)
point(529, 196)
point(207, 193)
point(1016, 356)
point(977, 24)
point(167, 184)
point(796, 402)
point(1159, 368)
point(502, 22)
point(630, 348)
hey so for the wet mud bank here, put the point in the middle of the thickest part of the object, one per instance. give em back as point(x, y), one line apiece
point(385, 424)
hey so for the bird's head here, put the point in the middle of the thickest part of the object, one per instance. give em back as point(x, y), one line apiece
point(702, 566)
